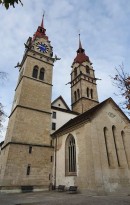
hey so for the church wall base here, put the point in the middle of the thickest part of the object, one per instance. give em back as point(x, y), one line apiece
point(119, 191)
point(21, 189)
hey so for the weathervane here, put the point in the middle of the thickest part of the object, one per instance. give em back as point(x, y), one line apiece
point(43, 13)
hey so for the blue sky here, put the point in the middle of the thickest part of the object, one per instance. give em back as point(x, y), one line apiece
point(105, 34)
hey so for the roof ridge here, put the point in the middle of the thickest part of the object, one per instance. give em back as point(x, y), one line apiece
point(86, 115)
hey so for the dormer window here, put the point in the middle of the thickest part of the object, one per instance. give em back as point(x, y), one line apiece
point(40, 29)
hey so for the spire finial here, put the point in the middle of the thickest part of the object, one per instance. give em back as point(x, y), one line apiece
point(42, 19)
point(80, 45)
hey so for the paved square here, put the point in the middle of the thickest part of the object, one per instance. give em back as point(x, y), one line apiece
point(58, 198)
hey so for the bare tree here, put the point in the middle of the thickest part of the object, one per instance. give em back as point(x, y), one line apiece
point(122, 81)
point(8, 3)
point(3, 76)
point(2, 115)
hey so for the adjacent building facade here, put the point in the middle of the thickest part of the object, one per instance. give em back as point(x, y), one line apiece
point(48, 144)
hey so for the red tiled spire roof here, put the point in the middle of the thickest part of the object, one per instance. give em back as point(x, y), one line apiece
point(81, 56)
point(41, 31)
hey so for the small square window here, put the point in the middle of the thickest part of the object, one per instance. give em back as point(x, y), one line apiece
point(53, 126)
point(54, 115)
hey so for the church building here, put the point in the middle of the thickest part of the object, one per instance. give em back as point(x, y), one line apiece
point(47, 144)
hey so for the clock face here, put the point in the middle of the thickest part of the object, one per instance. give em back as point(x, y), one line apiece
point(42, 47)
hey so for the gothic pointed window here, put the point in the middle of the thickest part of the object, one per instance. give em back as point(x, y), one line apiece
point(70, 160)
point(41, 75)
point(88, 92)
point(124, 146)
point(115, 143)
point(105, 130)
point(35, 71)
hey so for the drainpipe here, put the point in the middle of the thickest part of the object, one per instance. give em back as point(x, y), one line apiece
point(55, 165)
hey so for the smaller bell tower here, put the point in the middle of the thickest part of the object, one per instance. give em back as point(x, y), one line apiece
point(83, 82)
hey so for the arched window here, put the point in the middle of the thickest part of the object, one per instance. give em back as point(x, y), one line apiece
point(123, 137)
point(41, 75)
point(75, 96)
point(124, 145)
point(91, 91)
point(70, 155)
point(78, 93)
point(35, 71)
point(105, 130)
point(75, 72)
point(88, 92)
point(116, 149)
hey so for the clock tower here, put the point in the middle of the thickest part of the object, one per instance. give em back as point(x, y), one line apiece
point(83, 82)
point(27, 152)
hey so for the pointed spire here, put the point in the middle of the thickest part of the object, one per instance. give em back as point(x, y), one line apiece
point(41, 31)
point(80, 49)
point(80, 45)
point(81, 56)
point(42, 25)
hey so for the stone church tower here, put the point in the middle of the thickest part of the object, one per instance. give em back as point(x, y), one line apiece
point(83, 82)
point(27, 152)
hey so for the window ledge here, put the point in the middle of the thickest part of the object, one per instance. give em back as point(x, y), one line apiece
point(71, 174)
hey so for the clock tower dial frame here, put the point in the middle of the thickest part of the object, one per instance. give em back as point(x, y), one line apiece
point(42, 47)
